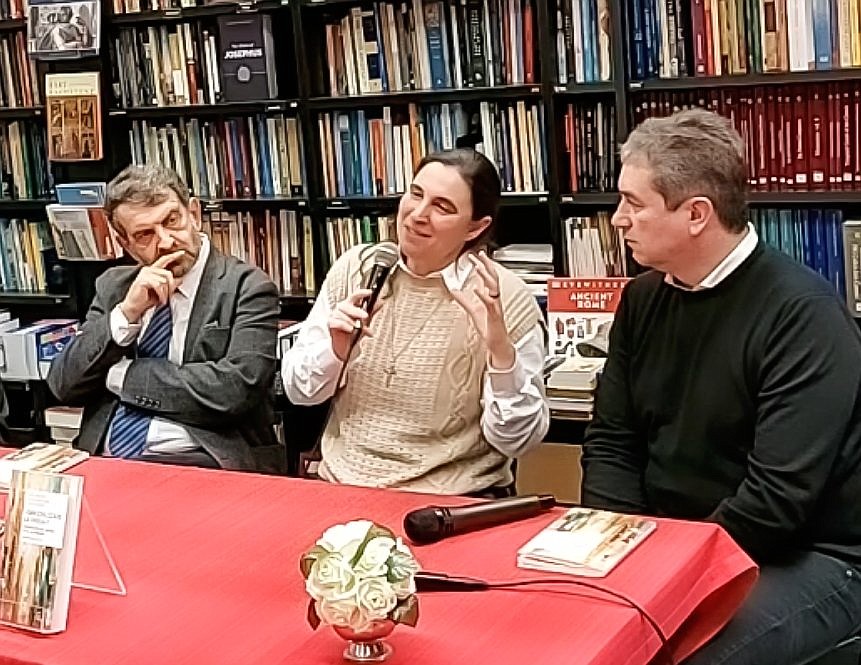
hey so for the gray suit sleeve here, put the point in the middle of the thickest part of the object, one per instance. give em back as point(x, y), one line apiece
point(215, 392)
point(77, 375)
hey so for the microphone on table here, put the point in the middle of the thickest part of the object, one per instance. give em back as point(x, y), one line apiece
point(428, 525)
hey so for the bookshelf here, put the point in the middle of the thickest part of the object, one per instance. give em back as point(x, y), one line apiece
point(522, 55)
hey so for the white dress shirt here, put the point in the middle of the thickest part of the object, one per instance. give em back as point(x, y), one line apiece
point(163, 436)
point(726, 267)
point(515, 417)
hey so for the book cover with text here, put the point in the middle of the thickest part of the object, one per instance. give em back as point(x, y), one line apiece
point(580, 313)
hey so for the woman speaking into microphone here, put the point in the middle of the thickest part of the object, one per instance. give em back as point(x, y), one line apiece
point(444, 386)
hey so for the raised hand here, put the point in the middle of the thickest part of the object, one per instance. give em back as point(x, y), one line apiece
point(482, 304)
point(153, 285)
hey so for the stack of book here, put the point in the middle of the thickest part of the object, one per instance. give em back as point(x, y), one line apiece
point(65, 424)
point(533, 263)
point(571, 387)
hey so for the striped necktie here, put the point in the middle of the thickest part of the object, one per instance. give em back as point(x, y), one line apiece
point(130, 425)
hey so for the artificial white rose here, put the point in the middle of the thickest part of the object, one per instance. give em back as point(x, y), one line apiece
point(345, 538)
point(402, 564)
point(374, 557)
point(375, 597)
point(343, 612)
point(331, 578)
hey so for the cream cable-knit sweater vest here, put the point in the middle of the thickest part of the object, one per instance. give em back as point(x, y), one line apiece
point(417, 427)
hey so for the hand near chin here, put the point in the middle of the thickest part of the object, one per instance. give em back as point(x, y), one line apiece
point(153, 285)
point(482, 304)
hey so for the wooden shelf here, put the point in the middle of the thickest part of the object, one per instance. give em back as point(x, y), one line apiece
point(590, 199)
point(256, 202)
point(186, 13)
point(814, 198)
point(200, 110)
point(24, 205)
point(32, 298)
point(11, 24)
point(599, 88)
point(21, 112)
point(389, 203)
point(297, 298)
point(426, 97)
point(746, 80)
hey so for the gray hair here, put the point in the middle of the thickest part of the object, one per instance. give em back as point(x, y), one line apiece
point(694, 153)
point(147, 185)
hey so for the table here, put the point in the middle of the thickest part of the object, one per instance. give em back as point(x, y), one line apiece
point(210, 559)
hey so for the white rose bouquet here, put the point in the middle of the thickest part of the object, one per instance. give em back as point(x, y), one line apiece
point(360, 573)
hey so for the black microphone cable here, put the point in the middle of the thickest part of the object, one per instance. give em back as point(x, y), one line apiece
point(433, 582)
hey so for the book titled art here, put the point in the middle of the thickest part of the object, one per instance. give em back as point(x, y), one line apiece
point(74, 117)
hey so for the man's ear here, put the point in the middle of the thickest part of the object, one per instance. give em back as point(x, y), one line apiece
point(195, 213)
point(702, 212)
point(477, 227)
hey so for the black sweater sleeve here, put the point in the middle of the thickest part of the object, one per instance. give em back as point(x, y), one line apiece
point(809, 377)
point(615, 452)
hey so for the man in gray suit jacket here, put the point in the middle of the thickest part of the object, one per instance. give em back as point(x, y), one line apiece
point(176, 360)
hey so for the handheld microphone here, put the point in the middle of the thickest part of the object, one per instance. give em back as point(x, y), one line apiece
point(385, 256)
point(428, 525)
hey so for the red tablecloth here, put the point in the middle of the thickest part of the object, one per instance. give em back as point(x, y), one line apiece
point(210, 559)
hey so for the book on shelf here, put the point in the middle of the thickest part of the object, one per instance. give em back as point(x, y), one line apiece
point(532, 262)
point(42, 517)
point(63, 28)
point(797, 137)
point(83, 233)
point(19, 80)
point(429, 45)
point(25, 259)
point(811, 236)
point(11, 9)
point(852, 264)
point(44, 457)
point(374, 152)
point(580, 314)
point(166, 65)
point(279, 243)
point(247, 57)
point(74, 116)
point(236, 157)
point(711, 38)
point(590, 139)
point(593, 247)
point(583, 31)
point(585, 541)
point(23, 163)
point(342, 233)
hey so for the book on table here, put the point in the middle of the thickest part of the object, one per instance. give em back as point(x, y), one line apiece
point(46, 457)
point(585, 541)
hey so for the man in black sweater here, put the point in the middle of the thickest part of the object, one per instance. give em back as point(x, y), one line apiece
point(732, 393)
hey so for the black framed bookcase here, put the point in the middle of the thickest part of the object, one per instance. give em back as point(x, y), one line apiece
point(553, 105)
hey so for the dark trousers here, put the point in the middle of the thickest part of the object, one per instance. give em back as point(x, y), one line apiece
point(797, 611)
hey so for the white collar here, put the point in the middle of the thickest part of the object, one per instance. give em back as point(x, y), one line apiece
point(726, 267)
point(454, 275)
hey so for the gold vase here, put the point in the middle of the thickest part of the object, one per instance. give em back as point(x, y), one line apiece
point(368, 646)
